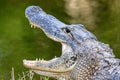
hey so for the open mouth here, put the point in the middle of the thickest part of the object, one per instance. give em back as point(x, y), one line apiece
point(55, 65)
point(53, 29)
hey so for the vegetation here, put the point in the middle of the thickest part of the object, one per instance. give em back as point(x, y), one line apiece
point(28, 75)
point(18, 41)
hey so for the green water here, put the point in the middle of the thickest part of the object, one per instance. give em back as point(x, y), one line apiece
point(18, 41)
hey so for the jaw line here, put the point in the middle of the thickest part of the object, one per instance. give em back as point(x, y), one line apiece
point(31, 64)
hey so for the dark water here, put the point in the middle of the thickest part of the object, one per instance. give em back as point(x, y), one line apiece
point(18, 41)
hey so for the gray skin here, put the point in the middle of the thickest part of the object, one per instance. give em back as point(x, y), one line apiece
point(83, 56)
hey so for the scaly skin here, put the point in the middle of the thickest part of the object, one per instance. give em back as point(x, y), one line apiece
point(83, 56)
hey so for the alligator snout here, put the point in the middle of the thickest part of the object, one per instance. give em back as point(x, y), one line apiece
point(32, 10)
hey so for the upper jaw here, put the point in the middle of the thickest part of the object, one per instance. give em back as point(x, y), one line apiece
point(49, 24)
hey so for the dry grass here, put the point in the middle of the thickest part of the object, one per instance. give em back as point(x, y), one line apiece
point(28, 75)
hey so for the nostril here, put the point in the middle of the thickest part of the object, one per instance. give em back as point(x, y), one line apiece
point(35, 9)
point(32, 9)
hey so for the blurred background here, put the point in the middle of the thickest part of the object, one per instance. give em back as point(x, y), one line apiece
point(19, 41)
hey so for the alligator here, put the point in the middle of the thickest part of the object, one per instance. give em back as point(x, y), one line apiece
point(83, 56)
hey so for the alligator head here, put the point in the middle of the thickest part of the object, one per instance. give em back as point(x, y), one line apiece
point(70, 36)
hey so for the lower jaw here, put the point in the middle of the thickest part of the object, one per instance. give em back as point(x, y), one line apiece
point(32, 65)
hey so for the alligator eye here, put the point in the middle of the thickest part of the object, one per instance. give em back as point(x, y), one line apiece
point(66, 30)
point(73, 58)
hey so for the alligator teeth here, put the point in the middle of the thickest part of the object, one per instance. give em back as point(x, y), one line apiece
point(39, 59)
point(42, 59)
point(36, 59)
point(32, 26)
